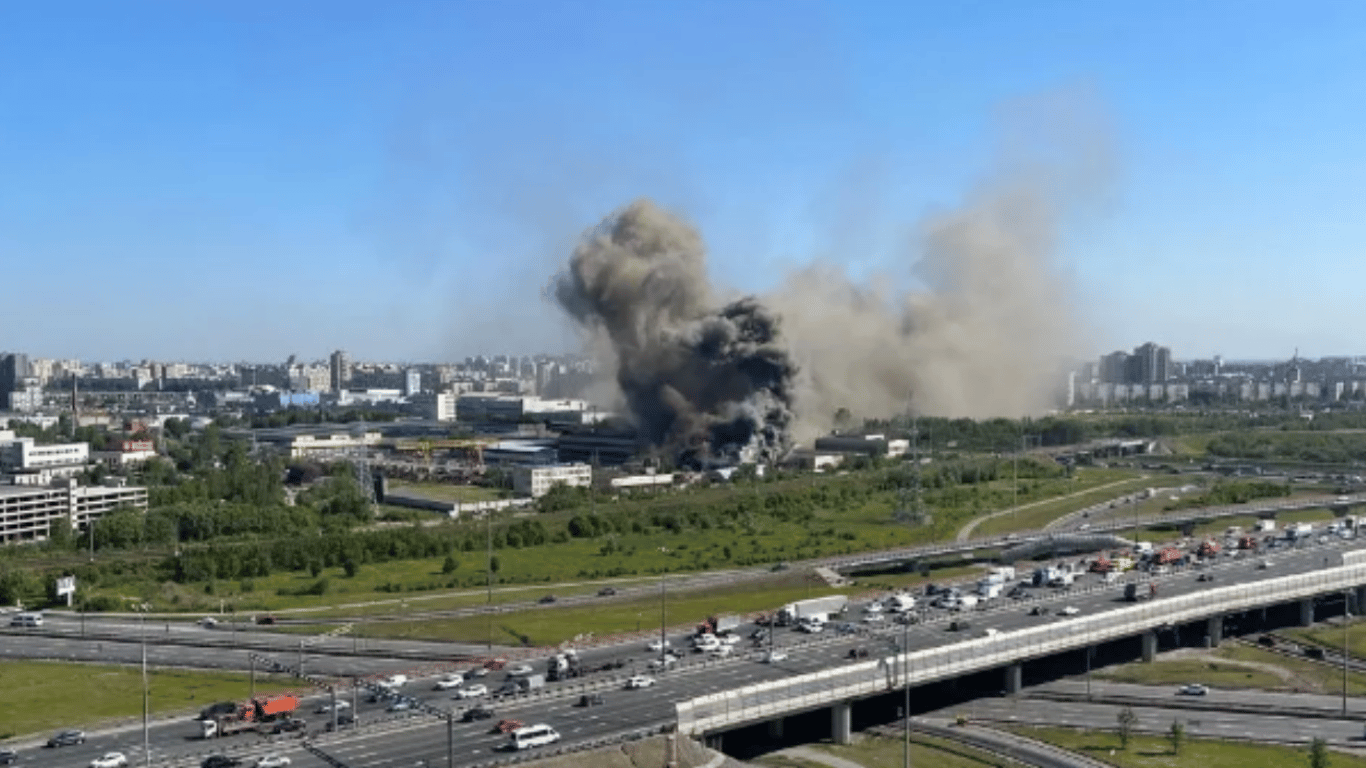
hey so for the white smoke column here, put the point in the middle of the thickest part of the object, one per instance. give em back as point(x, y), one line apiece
point(997, 321)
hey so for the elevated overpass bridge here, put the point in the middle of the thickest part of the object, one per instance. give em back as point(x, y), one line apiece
point(1305, 579)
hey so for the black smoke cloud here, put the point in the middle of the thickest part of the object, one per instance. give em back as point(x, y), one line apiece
point(703, 381)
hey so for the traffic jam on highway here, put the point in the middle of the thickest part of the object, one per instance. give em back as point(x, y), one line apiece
point(494, 697)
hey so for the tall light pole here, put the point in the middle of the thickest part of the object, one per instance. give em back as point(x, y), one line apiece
point(663, 619)
point(146, 709)
point(488, 530)
point(906, 688)
point(1346, 622)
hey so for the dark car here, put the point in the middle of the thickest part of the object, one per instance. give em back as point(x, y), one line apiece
point(547, 599)
point(214, 711)
point(8, 756)
point(343, 720)
point(265, 620)
point(1205, 577)
point(591, 700)
point(607, 592)
point(289, 725)
point(220, 761)
point(476, 713)
point(66, 739)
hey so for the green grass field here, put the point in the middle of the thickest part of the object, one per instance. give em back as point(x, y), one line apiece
point(856, 527)
point(43, 696)
point(1155, 751)
point(880, 752)
point(445, 492)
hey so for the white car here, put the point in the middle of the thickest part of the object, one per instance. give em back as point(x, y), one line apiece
point(657, 645)
point(874, 618)
point(1194, 689)
point(775, 656)
point(873, 608)
point(1070, 610)
point(325, 708)
point(401, 705)
point(472, 691)
point(272, 761)
point(639, 681)
point(110, 760)
point(394, 681)
point(668, 660)
point(519, 670)
point(447, 682)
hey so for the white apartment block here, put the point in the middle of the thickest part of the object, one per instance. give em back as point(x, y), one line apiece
point(445, 406)
point(30, 513)
point(537, 481)
point(29, 463)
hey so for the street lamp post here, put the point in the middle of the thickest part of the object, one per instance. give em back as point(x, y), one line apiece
point(146, 727)
point(1346, 623)
point(906, 693)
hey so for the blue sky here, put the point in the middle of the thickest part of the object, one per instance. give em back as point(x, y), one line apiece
point(247, 180)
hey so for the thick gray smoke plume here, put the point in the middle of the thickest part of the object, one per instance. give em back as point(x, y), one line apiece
point(703, 384)
point(988, 334)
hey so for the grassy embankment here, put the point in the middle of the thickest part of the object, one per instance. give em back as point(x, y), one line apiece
point(881, 752)
point(1147, 751)
point(42, 695)
point(1238, 666)
point(1038, 515)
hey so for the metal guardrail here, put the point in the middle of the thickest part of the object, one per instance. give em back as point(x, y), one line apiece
point(818, 689)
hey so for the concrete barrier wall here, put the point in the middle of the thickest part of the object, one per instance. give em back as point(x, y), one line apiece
point(804, 692)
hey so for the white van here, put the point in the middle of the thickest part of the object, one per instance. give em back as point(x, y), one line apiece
point(26, 620)
point(533, 736)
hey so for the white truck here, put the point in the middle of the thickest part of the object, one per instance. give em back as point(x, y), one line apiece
point(1265, 526)
point(900, 603)
point(989, 589)
point(1296, 531)
point(816, 606)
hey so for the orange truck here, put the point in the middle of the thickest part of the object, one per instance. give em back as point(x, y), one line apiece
point(256, 716)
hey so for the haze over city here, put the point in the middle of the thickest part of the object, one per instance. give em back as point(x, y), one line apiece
point(220, 182)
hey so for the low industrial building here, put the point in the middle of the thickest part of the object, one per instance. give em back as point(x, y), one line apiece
point(537, 481)
point(30, 513)
point(512, 453)
point(126, 453)
point(24, 462)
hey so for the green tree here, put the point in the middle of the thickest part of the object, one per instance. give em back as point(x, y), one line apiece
point(1318, 754)
point(351, 568)
point(450, 564)
point(494, 564)
point(1127, 720)
point(1176, 735)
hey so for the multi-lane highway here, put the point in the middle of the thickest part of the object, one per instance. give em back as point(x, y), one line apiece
point(403, 739)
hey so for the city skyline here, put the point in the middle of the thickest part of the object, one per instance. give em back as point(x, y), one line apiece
point(404, 182)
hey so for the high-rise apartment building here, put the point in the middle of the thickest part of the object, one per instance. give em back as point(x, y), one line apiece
point(341, 370)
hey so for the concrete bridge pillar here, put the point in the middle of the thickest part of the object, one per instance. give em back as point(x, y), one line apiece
point(1014, 678)
point(841, 723)
point(1359, 605)
point(1307, 612)
point(1214, 630)
point(775, 729)
point(1149, 640)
